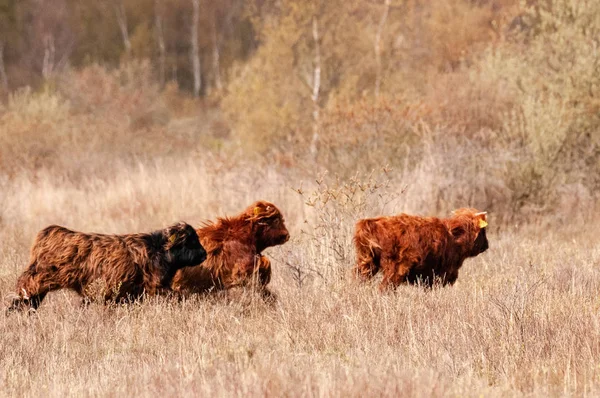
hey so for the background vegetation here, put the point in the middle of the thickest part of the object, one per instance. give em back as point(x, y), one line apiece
point(122, 116)
point(496, 99)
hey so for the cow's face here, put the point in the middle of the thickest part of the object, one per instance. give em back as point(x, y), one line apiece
point(481, 243)
point(269, 224)
point(183, 247)
point(275, 231)
point(468, 227)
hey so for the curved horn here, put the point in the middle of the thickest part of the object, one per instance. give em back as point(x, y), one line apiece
point(481, 213)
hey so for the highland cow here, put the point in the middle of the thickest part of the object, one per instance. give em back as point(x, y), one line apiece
point(234, 246)
point(416, 249)
point(128, 266)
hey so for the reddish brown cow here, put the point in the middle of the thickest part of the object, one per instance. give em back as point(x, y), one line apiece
point(127, 266)
point(418, 249)
point(234, 246)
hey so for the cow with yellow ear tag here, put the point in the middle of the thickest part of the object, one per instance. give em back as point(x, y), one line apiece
point(235, 245)
point(415, 249)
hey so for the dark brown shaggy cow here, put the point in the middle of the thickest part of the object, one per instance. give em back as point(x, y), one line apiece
point(234, 246)
point(418, 249)
point(127, 265)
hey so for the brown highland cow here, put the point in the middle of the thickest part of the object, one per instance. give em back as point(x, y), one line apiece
point(234, 246)
point(128, 266)
point(418, 249)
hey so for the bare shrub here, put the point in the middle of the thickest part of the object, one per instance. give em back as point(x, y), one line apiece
point(337, 203)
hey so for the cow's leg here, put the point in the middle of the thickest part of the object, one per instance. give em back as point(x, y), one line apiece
point(33, 286)
point(263, 268)
point(255, 271)
point(450, 278)
point(394, 273)
point(368, 262)
point(247, 270)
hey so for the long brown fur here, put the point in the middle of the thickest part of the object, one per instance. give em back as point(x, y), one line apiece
point(234, 246)
point(127, 266)
point(418, 249)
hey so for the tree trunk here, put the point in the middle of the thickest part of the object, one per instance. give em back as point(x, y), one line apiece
point(49, 52)
point(378, 34)
point(216, 57)
point(3, 78)
point(160, 40)
point(122, 21)
point(316, 87)
point(195, 51)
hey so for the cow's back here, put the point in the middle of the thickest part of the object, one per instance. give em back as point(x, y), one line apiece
point(410, 237)
point(91, 253)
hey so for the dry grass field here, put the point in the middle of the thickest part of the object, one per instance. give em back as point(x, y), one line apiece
point(523, 318)
point(333, 114)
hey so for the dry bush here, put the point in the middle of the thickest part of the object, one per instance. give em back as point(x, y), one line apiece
point(125, 94)
point(263, 106)
point(365, 135)
point(553, 126)
point(471, 100)
point(94, 115)
point(458, 29)
point(333, 205)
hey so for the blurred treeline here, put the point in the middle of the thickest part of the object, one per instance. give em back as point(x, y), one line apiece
point(41, 38)
point(493, 103)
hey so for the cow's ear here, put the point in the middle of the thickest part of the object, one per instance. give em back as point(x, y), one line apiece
point(481, 219)
point(177, 232)
point(458, 231)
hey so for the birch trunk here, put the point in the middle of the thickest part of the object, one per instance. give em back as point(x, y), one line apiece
point(49, 53)
point(160, 40)
point(316, 87)
point(195, 51)
point(122, 21)
point(378, 35)
point(3, 78)
point(216, 58)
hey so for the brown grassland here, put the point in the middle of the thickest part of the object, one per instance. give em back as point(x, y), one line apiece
point(485, 104)
point(523, 317)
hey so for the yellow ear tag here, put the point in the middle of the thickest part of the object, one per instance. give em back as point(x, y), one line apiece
point(256, 211)
point(482, 223)
point(172, 238)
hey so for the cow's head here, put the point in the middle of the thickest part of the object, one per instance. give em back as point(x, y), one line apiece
point(268, 224)
point(182, 246)
point(468, 227)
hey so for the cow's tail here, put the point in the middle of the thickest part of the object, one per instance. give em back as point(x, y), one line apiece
point(368, 250)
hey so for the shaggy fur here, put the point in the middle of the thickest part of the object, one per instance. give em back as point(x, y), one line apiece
point(418, 249)
point(234, 246)
point(127, 266)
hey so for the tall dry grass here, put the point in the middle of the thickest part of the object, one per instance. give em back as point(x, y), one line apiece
point(522, 319)
point(107, 151)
